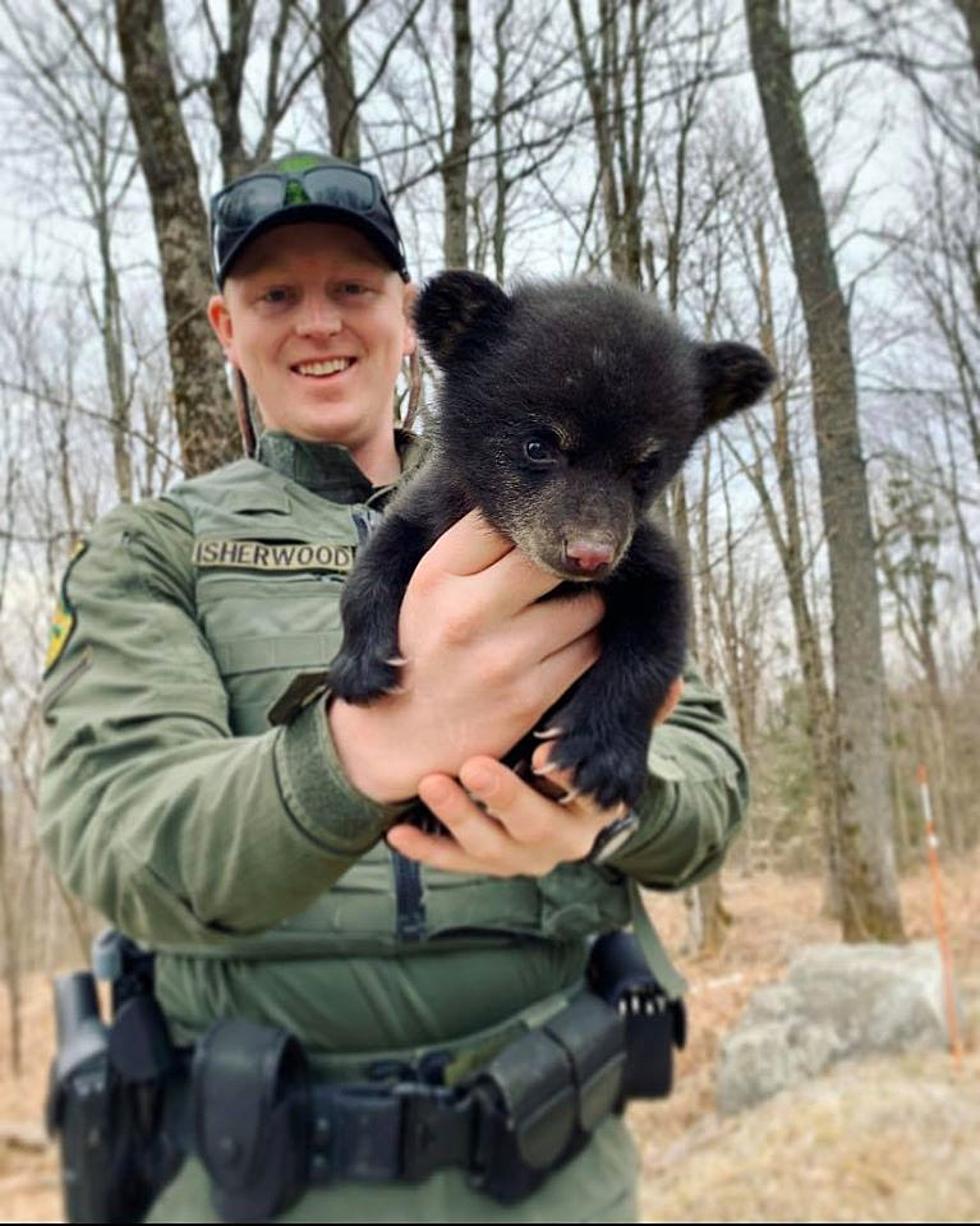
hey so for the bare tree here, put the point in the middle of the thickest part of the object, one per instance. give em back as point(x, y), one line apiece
point(455, 167)
point(205, 421)
point(80, 120)
point(613, 72)
point(339, 89)
point(866, 824)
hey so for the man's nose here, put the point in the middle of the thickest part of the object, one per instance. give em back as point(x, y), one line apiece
point(319, 317)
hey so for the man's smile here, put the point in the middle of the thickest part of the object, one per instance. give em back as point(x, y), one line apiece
point(320, 368)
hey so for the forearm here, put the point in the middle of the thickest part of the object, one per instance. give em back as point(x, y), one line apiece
point(697, 797)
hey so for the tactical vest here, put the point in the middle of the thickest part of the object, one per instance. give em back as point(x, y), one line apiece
point(270, 560)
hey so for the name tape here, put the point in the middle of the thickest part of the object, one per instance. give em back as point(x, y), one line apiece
point(212, 553)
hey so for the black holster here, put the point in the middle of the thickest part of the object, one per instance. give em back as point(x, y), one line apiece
point(111, 1090)
point(655, 1024)
point(105, 1103)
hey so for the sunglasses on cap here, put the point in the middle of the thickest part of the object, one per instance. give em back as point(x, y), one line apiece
point(248, 207)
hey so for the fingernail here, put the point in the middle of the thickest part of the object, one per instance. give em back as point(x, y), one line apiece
point(549, 768)
point(569, 796)
point(548, 734)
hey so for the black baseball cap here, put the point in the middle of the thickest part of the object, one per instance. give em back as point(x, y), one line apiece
point(302, 187)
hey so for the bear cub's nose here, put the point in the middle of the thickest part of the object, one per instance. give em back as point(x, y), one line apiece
point(588, 555)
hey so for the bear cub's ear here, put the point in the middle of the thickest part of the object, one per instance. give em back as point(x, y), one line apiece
point(733, 376)
point(458, 314)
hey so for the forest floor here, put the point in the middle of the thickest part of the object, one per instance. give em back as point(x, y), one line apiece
point(889, 1139)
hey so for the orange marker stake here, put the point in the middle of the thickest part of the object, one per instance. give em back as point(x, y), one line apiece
point(939, 915)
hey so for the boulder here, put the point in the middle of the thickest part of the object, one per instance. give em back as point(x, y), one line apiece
point(837, 1002)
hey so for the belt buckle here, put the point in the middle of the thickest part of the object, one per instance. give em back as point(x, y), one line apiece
point(437, 1129)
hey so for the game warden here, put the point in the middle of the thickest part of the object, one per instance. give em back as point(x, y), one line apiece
point(204, 793)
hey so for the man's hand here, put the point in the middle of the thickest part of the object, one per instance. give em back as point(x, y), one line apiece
point(483, 662)
point(500, 826)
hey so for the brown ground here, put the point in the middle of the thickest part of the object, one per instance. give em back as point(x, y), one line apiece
point(891, 1139)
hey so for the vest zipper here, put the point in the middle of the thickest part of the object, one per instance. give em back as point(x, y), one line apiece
point(409, 904)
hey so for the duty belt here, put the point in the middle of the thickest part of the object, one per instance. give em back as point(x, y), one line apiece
point(264, 1131)
point(129, 1106)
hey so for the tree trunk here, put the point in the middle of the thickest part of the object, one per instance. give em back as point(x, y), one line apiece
point(456, 165)
point(789, 543)
point(110, 322)
point(501, 185)
point(339, 92)
point(618, 124)
point(865, 816)
point(225, 89)
point(596, 84)
point(205, 421)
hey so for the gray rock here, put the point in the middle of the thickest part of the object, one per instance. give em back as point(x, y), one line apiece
point(837, 1002)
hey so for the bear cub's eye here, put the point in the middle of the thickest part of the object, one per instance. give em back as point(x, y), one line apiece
point(648, 466)
point(540, 451)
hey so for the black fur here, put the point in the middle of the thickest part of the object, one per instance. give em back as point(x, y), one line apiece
point(565, 410)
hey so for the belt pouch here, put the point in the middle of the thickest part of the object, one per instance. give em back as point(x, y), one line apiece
point(251, 1111)
point(655, 1025)
point(593, 1035)
point(528, 1115)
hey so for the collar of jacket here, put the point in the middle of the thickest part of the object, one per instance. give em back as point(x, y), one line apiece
point(327, 468)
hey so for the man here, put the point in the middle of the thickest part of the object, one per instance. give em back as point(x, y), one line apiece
point(205, 794)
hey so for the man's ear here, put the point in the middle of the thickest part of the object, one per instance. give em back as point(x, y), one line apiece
point(733, 376)
point(410, 299)
point(219, 318)
point(458, 314)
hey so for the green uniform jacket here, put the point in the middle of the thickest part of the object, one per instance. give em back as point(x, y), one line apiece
point(239, 850)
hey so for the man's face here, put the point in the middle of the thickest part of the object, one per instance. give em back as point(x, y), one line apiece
point(317, 323)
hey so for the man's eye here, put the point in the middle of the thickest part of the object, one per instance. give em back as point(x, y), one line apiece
point(276, 295)
point(353, 289)
point(540, 452)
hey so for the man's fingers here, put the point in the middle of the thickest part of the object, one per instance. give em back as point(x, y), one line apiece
point(558, 671)
point(477, 834)
point(436, 851)
point(563, 620)
point(529, 818)
point(467, 548)
point(498, 824)
point(505, 580)
point(511, 584)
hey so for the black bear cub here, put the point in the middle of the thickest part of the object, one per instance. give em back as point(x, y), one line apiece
point(565, 409)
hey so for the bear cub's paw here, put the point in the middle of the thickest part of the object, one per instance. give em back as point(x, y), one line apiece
point(611, 767)
point(362, 677)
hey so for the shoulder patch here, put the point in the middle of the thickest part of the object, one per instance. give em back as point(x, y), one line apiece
point(64, 619)
point(276, 556)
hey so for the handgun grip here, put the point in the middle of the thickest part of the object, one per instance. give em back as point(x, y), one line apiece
point(81, 1033)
